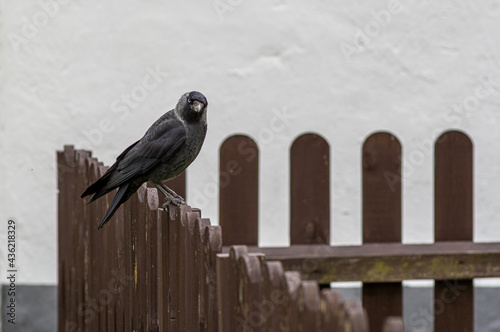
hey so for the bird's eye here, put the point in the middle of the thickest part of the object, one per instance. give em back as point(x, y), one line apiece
point(189, 100)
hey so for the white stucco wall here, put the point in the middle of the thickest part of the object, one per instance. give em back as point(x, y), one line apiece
point(67, 69)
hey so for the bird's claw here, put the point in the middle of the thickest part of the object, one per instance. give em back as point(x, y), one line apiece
point(177, 201)
point(166, 203)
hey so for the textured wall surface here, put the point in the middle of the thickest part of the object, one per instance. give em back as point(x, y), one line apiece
point(97, 73)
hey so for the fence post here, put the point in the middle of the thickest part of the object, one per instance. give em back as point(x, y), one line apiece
point(239, 190)
point(382, 219)
point(453, 221)
point(310, 190)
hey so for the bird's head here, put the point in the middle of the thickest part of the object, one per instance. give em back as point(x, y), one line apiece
point(192, 106)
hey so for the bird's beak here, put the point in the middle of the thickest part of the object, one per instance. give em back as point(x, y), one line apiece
point(197, 106)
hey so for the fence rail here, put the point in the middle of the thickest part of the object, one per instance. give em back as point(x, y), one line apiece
point(151, 270)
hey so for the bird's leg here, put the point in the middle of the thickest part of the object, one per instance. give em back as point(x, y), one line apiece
point(168, 198)
point(177, 199)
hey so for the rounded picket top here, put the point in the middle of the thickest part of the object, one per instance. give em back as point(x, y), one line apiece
point(456, 137)
point(191, 217)
point(212, 239)
point(272, 272)
point(235, 252)
point(394, 324)
point(250, 268)
point(310, 190)
point(199, 228)
point(153, 199)
point(239, 190)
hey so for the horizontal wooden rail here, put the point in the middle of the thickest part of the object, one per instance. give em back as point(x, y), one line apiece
point(388, 262)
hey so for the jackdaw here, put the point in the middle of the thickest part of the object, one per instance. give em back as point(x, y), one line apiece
point(167, 148)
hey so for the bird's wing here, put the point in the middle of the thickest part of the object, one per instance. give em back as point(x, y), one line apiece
point(101, 183)
point(145, 156)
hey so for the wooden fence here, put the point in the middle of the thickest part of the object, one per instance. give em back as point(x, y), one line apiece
point(153, 270)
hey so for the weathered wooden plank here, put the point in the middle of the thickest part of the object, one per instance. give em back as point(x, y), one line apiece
point(78, 245)
point(453, 213)
point(224, 292)
point(389, 262)
point(382, 218)
point(309, 190)
point(236, 310)
point(289, 310)
point(129, 257)
point(190, 307)
point(151, 221)
point(163, 268)
point(251, 317)
point(212, 242)
point(329, 310)
point(66, 177)
point(238, 190)
point(272, 298)
point(200, 287)
point(120, 281)
point(308, 301)
point(141, 250)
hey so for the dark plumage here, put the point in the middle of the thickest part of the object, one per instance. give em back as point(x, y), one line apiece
point(167, 148)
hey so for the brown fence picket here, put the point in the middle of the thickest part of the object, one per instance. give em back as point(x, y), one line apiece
point(152, 257)
point(309, 190)
point(289, 287)
point(251, 316)
point(212, 243)
point(272, 298)
point(150, 270)
point(65, 169)
point(199, 285)
point(224, 294)
point(190, 277)
point(238, 190)
point(382, 218)
point(453, 190)
point(308, 301)
point(163, 268)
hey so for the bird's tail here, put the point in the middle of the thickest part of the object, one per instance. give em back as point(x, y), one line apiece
point(119, 198)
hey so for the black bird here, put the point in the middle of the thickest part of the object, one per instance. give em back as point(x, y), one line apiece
point(167, 148)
